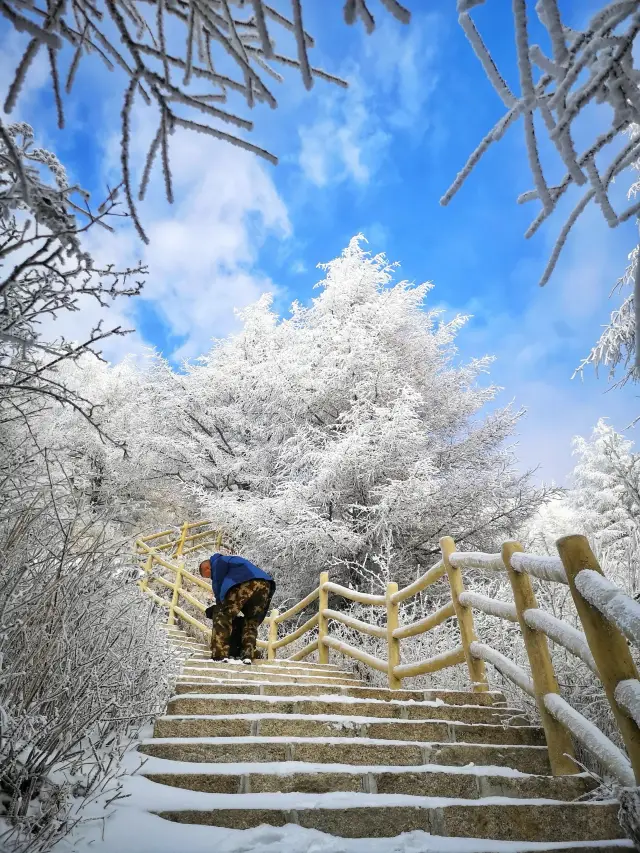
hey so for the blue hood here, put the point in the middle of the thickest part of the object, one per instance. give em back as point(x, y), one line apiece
point(227, 572)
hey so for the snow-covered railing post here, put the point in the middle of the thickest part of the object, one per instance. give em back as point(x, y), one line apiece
point(273, 636)
point(323, 622)
point(148, 568)
point(477, 670)
point(393, 652)
point(183, 536)
point(176, 592)
point(559, 741)
point(607, 643)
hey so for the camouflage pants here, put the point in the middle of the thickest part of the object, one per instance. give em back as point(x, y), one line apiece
point(250, 597)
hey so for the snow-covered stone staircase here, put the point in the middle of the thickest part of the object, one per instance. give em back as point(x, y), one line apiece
point(282, 742)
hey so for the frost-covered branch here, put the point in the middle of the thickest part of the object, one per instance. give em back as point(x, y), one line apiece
point(44, 271)
point(589, 66)
point(186, 58)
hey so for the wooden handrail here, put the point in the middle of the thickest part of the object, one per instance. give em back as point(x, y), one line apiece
point(301, 605)
point(453, 657)
point(356, 624)
point(426, 624)
point(434, 574)
point(309, 625)
point(354, 595)
point(599, 603)
point(358, 654)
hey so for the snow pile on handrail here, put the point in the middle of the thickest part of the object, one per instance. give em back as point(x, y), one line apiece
point(476, 560)
point(562, 633)
point(545, 568)
point(618, 607)
point(490, 606)
point(627, 695)
point(507, 667)
point(591, 737)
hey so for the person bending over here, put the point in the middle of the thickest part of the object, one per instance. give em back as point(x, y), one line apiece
point(238, 585)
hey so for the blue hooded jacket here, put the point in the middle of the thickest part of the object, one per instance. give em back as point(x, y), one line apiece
point(227, 572)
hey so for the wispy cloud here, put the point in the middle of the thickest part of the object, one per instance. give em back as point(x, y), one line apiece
point(204, 249)
point(390, 84)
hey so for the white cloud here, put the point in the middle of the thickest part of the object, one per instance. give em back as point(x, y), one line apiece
point(389, 87)
point(538, 348)
point(204, 249)
point(346, 142)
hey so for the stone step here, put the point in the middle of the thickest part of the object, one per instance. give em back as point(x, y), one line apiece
point(278, 663)
point(186, 703)
point(422, 782)
point(377, 817)
point(213, 670)
point(348, 750)
point(450, 697)
point(285, 725)
point(248, 673)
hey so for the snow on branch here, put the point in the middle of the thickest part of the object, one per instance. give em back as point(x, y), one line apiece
point(589, 66)
point(618, 607)
point(224, 49)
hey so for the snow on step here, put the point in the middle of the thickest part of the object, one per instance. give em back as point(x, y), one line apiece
point(362, 815)
point(407, 697)
point(350, 750)
point(197, 703)
point(304, 748)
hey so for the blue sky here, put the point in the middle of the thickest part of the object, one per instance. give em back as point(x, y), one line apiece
point(373, 159)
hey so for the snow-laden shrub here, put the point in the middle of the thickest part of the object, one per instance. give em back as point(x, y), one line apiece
point(83, 660)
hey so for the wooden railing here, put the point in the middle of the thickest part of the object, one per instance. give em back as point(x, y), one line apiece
point(608, 616)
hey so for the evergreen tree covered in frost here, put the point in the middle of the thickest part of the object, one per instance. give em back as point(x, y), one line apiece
point(347, 432)
point(606, 495)
point(602, 502)
point(126, 475)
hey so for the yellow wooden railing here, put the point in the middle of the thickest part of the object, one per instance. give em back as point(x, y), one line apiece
point(608, 616)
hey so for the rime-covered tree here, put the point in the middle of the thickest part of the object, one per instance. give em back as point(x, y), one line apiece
point(45, 272)
point(602, 502)
point(347, 431)
point(606, 495)
point(82, 658)
point(125, 475)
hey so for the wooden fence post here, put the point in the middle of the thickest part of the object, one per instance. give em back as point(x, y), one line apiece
point(176, 592)
point(273, 635)
point(559, 741)
point(477, 670)
point(148, 568)
point(393, 650)
point(607, 643)
point(183, 536)
point(323, 604)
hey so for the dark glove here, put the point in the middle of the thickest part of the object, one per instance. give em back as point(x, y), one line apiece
point(211, 610)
